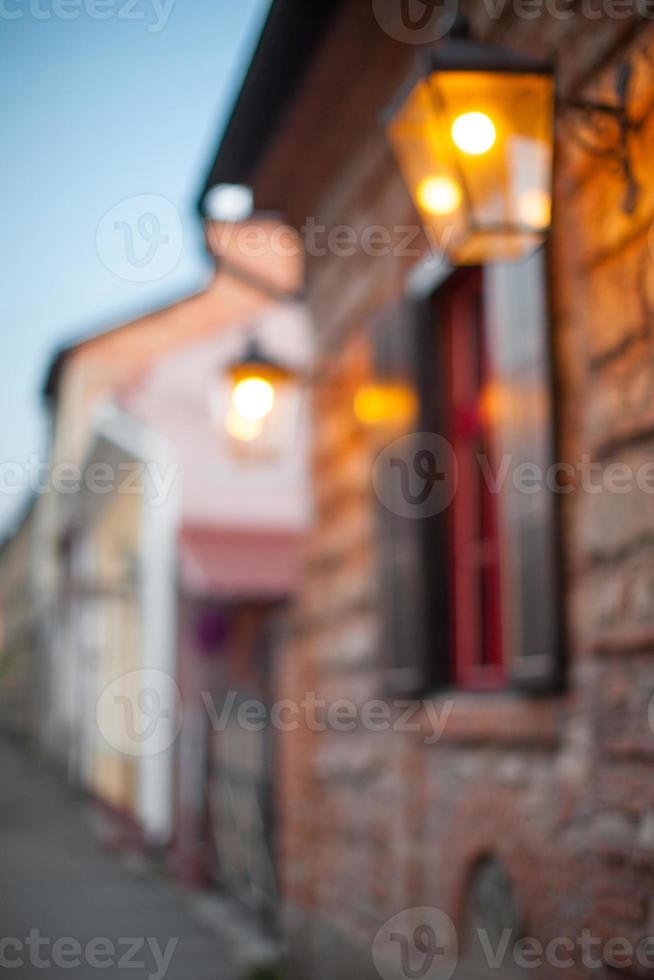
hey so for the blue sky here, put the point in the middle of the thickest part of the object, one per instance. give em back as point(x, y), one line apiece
point(96, 111)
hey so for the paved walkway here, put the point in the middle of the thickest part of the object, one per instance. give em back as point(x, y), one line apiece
point(57, 884)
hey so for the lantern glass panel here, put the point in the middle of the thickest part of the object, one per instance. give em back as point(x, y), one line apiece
point(475, 148)
point(257, 410)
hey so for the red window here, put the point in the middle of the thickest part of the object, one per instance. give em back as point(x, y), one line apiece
point(474, 553)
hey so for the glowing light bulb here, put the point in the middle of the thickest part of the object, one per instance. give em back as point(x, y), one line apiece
point(474, 133)
point(253, 399)
point(439, 195)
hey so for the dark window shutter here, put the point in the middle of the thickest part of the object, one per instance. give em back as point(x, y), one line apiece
point(414, 554)
point(409, 595)
point(519, 335)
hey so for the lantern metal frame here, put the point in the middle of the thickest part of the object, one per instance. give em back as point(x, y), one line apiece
point(256, 362)
point(459, 52)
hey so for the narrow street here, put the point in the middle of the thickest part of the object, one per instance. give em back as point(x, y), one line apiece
point(59, 886)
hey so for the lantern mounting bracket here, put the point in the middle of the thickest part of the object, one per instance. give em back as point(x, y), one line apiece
point(612, 120)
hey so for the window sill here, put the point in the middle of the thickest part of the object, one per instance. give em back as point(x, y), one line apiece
point(612, 643)
point(504, 719)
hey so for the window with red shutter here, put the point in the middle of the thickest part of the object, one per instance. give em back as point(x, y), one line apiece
point(470, 596)
point(474, 551)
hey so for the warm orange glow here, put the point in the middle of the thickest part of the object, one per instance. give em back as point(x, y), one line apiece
point(474, 133)
point(439, 195)
point(494, 403)
point(475, 150)
point(535, 208)
point(242, 429)
point(390, 404)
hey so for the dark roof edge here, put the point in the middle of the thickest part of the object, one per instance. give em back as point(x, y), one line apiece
point(288, 41)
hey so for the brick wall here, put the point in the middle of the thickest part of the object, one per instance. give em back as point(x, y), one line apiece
point(561, 790)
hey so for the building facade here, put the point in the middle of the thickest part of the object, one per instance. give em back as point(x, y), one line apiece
point(21, 686)
point(515, 639)
point(162, 538)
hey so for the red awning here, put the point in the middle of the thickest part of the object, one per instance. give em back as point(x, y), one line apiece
point(238, 564)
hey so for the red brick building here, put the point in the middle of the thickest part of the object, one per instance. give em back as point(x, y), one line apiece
point(531, 636)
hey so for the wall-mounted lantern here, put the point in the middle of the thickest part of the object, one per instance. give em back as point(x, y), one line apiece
point(263, 403)
point(473, 135)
